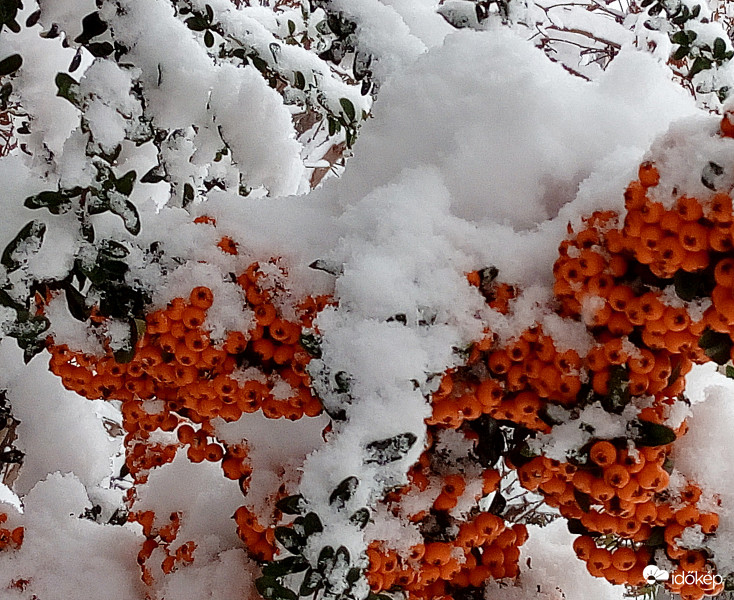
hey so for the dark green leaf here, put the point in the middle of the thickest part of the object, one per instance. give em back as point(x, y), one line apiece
point(196, 23)
point(31, 349)
point(326, 559)
point(100, 49)
point(312, 524)
point(300, 80)
point(92, 26)
point(360, 518)
point(717, 346)
point(348, 108)
point(10, 64)
point(342, 556)
point(188, 194)
point(125, 184)
point(129, 215)
point(289, 539)
point(619, 394)
point(208, 38)
point(55, 202)
point(353, 575)
point(343, 492)
point(730, 371)
point(279, 568)
point(270, 589)
point(291, 505)
point(7, 301)
point(583, 501)
point(679, 37)
point(709, 174)
point(700, 64)
point(311, 343)
point(312, 581)
point(389, 450)
point(76, 303)
point(31, 232)
point(681, 52)
point(719, 48)
point(653, 434)
point(113, 249)
point(209, 13)
point(67, 87)
point(656, 538)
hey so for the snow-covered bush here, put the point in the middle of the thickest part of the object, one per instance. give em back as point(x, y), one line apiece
point(228, 373)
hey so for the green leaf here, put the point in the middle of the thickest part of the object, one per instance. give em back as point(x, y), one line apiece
point(360, 518)
point(353, 575)
point(125, 184)
point(326, 559)
point(129, 215)
point(67, 87)
point(113, 249)
point(700, 64)
point(31, 232)
point(208, 38)
point(100, 49)
point(719, 48)
point(681, 52)
point(196, 23)
point(10, 64)
point(717, 346)
point(291, 27)
point(619, 394)
point(92, 26)
point(55, 202)
point(583, 501)
point(730, 371)
point(343, 492)
point(300, 80)
point(312, 582)
point(209, 13)
point(279, 568)
point(311, 343)
point(312, 524)
point(289, 539)
point(654, 434)
point(391, 449)
point(76, 303)
point(291, 505)
point(348, 108)
point(679, 37)
point(270, 589)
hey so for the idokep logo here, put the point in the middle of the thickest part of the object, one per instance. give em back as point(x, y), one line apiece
point(654, 574)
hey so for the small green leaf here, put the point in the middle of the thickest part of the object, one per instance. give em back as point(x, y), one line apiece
point(289, 539)
point(300, 80)
point(583, 501)
point(125, 184)
point(32, 232)
point(389, 450)
point(291, 505)
point(312, 524)
point(360, 518)
point(129, 215)
point(343, 492)
point(730, 371)
point(92, 26)
point(700, 64)
point(55, 202)
point(717, 346)
point(270, 589)
point(654, 434)
point(10, 64)
point(67, 87)
point(719, 48)
point(208, 38)
point(326, 559)
point(348, 108)
point(681, 52)
point(312, 582)
point(196, 23)
point(286, 566)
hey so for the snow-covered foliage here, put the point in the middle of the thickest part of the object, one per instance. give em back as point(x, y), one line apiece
point(236, 364)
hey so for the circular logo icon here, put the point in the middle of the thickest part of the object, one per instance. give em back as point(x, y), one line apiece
point(653, 574)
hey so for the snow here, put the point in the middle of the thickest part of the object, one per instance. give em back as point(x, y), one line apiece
point(479, 152)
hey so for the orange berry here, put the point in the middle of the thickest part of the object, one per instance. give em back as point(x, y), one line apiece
point(603, 453)
point(648, 174)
